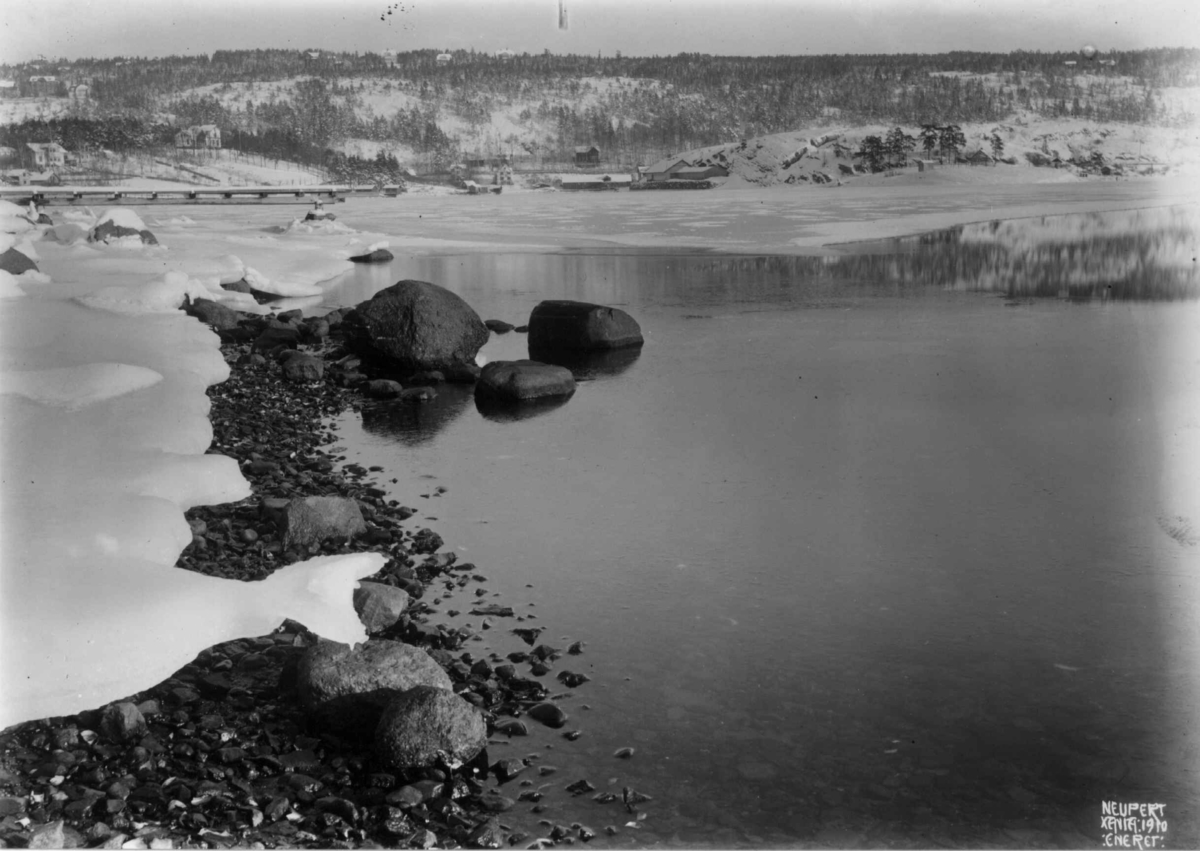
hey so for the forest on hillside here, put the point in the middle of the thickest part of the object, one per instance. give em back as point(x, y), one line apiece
point(634, 107)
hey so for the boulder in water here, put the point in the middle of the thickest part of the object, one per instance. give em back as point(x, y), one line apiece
point(577, 325)
point(523, 380)
point(413, 326)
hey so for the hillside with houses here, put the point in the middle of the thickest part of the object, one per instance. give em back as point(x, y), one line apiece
point(394, 116)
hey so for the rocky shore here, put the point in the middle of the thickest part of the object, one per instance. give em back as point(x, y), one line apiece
point(284, 740)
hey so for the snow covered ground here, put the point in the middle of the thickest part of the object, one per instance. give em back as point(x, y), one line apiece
point(105, 426)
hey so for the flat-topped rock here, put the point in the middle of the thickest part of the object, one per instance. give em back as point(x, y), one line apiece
point(523, 380)
point(577, 325)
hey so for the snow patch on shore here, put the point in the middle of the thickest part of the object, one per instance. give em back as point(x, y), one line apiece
point(106, 433)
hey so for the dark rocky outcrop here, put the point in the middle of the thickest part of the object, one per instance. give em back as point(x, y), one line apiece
point(425, 726)
point(213, 313)
point(107, 231)
point(313, 519)
point(498, 326)
point(379, 255)
point(348, 689)
point(413, 326)
point(577, 325)
point(15, 262)
point(523, 380)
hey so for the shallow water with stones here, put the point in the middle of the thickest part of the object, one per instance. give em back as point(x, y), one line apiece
point(887, 548)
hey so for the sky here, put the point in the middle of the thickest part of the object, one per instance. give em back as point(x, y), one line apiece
point(70, 29)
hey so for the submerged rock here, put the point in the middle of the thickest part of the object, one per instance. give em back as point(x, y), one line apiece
point(523, 380)
point(413, 326)
point(379, 255)
point(427, 725)
point(348, 689)
point(383, 388)
point(577, 325)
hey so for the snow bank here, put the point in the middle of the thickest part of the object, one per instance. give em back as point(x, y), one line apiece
point(73, 387)
point(122, 217)
point(14, 219)
point(9, 288)
point(105, 432)
point(153, 297)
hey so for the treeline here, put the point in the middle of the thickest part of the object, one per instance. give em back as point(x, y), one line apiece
point(631, 107)
point(117, 133)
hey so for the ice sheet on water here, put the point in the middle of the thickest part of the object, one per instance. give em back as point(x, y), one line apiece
point(105, 427)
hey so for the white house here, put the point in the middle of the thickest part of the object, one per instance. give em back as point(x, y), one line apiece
point(443, 58)
point(46, 154)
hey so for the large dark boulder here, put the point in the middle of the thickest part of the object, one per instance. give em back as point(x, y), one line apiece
point(213, 313)
point(426, 726)
point(523, 380)
point(577, 325)
point(413, 326)
point(347, 688)
point(15, 263)
point(313, 519)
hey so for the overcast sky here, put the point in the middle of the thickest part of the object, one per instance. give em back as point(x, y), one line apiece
point(76, 28)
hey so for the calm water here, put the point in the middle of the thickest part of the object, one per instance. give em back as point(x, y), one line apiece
point(892, 548)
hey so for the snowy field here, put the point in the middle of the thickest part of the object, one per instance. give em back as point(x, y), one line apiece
point(102, 382)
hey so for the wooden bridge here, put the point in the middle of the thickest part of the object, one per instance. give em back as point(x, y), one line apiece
point(44, 196)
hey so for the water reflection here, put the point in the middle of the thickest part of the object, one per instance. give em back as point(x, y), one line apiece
point(1129, 255)
point(508, 412)
point(417, 423)
point(1142, 255)
point(586, 366)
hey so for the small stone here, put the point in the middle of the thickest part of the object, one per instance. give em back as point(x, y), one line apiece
point(623, 753)
point(549, 714)
point(507, 769)
point(487, 835)
point(512, 728)
point(48, 836)
point(405, 796)
point(580, 787)
point(122, 722)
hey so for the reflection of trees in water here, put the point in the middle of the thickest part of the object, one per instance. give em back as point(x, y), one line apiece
point(417, 423)
point(1128, 255)
point(1131, 254)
